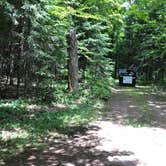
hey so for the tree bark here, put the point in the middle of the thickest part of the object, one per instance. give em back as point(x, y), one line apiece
point(73, 61)
point(20, 55)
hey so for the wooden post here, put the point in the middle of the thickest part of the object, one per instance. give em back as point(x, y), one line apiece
point(73, 61)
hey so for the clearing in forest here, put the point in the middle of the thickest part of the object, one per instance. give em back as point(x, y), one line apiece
point(131, 133)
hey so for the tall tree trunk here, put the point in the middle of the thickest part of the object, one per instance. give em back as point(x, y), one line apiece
point(73, 61)
point(116, 65)
point(27, 65)
point(19, 56)
point(18, 71)
point(11, 66)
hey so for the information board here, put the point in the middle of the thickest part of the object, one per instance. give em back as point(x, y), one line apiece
point(127, 80)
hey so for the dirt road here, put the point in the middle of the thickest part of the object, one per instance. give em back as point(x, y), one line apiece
point(132, 133)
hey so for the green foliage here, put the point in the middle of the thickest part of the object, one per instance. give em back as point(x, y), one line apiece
point(12, 109)
point(66, 121)
point(90, 92)
point(100, 89)
point(144, 39)
point(34, 39)
point(94, 46)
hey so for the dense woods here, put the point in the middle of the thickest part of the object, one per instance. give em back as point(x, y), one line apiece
point(34, 51)
point(144, 40)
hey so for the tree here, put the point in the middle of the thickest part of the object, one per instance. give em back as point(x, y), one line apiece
point(33, 46)
point(144, 39)
point(73, 60)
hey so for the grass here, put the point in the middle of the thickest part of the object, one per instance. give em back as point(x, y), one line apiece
point(20, 127)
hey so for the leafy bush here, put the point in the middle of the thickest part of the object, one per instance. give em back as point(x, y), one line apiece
point(13, 109)
point(100, 88)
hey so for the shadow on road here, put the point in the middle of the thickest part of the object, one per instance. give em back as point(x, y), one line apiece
point(79, 150)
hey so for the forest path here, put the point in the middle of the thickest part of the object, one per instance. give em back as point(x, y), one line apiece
point(132, 133)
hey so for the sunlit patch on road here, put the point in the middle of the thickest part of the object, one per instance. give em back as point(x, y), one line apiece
point(146, 145)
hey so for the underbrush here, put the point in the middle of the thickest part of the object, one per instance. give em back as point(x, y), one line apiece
point(21, 126)
point(89, 91)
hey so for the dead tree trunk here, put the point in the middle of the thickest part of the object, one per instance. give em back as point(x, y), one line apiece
point(73, 61)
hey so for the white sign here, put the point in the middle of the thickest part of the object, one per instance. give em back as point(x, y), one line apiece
point(127, 80)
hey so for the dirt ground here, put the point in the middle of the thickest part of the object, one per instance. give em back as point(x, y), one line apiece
point(126, 136)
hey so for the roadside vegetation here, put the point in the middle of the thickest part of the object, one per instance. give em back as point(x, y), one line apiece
point(27, 123)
